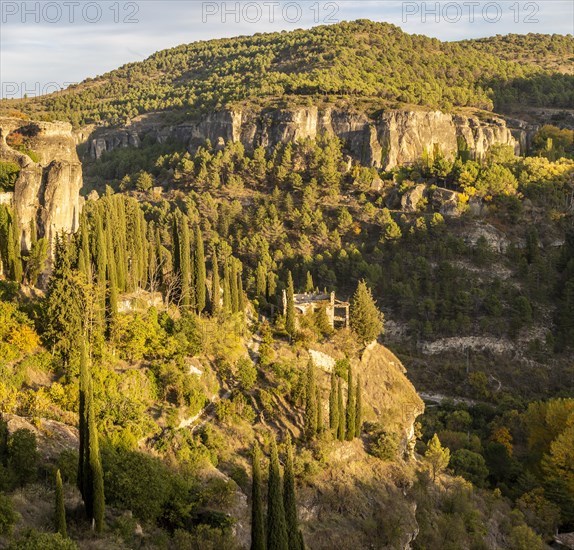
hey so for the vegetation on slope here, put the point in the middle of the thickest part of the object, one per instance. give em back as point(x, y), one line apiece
point(352, 59)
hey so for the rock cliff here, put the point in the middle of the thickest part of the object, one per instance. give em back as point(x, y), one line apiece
point(47, 192)
point(385, 140)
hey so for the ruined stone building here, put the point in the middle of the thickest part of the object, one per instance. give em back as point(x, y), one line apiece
point(337, 311)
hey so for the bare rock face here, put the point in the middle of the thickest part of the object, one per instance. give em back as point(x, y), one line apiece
point(411, 199)
point(391, 138)
point(47, 192)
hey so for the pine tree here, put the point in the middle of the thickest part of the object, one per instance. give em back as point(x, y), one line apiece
point(60, 507)
point(310, 403)
point(358, 407)
point(199, 275)
point(290, 313)
point(257, 520)
point(333, 406)
point(340, 406)
point(277, 538)
point(436, 456)
point(290, 499)
point(366, 319)
point(215, 284)
point(350, 409)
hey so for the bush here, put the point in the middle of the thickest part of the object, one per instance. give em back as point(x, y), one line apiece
point(35, 540)
point(23, 456)
point(385, 445)
point(8, 516)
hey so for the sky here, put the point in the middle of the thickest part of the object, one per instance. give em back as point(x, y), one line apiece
point(49, 44)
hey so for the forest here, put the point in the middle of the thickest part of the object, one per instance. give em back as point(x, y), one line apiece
point(351, 60)
point(218, 235)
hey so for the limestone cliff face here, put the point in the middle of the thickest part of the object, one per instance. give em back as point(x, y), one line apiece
point(47, 192)
point(391, 138)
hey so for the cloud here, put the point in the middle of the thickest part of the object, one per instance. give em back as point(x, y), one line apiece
point(39, 44)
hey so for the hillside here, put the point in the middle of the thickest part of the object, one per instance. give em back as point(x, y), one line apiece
point(356, 60)
point(226, 287)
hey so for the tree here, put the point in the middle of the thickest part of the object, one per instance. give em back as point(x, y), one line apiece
point(358, 407)
point(366, 319)
point(60, 507)
point(257, 522)
point(277, 538)
point(290, 500)
point(185, 262)
point(341, 414)
point(350, 409)
point(319, 402)
point(215, 284)
point(290, 312)
point(309, 286)
point(8, 516)
point(95, 467)
point(199, 275)
point(469, 465)
point(23, 456)
point(436, 456)
point(310, 403)
point(333, 406)
point(144, 181)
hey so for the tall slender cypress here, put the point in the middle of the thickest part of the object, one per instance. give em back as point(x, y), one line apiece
point(233, 286)
point(319, 401)
point(257, 519)
point(199, 275)
point(290, 500)
point(277, 538)
point(333, 406)
point(340, 406)
point(83, 417)
point(290, 313)
point(358, 407)
point(60, 507)
point(310, 403)
point(350, 412)
point(226, 287)
point(215, 284)
point(95, 467)
point(185, 259)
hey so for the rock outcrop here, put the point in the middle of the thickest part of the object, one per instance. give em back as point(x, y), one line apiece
point(391, 138)
point(47, 192)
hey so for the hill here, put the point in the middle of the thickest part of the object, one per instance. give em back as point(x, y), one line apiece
point(360, 59)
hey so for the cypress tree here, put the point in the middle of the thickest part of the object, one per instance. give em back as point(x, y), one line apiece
point(233, 286)
point(95, 467)
point(60, 507)
point(309, 286)
point(3, 442)
point(319, 411)
point(310, 403)
point(257, 520)
point(260, 280)
point(101, 250)
point(358, 408)
point(185, 259)
point(199, 275)
point(290, 500)
point(341, 426)
point(277, 538)
point(333, 406)
point(350, 411)
point(83, 417)
point(240, 293)
point(215, 284)
point(226, 288)
point(290, 313)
